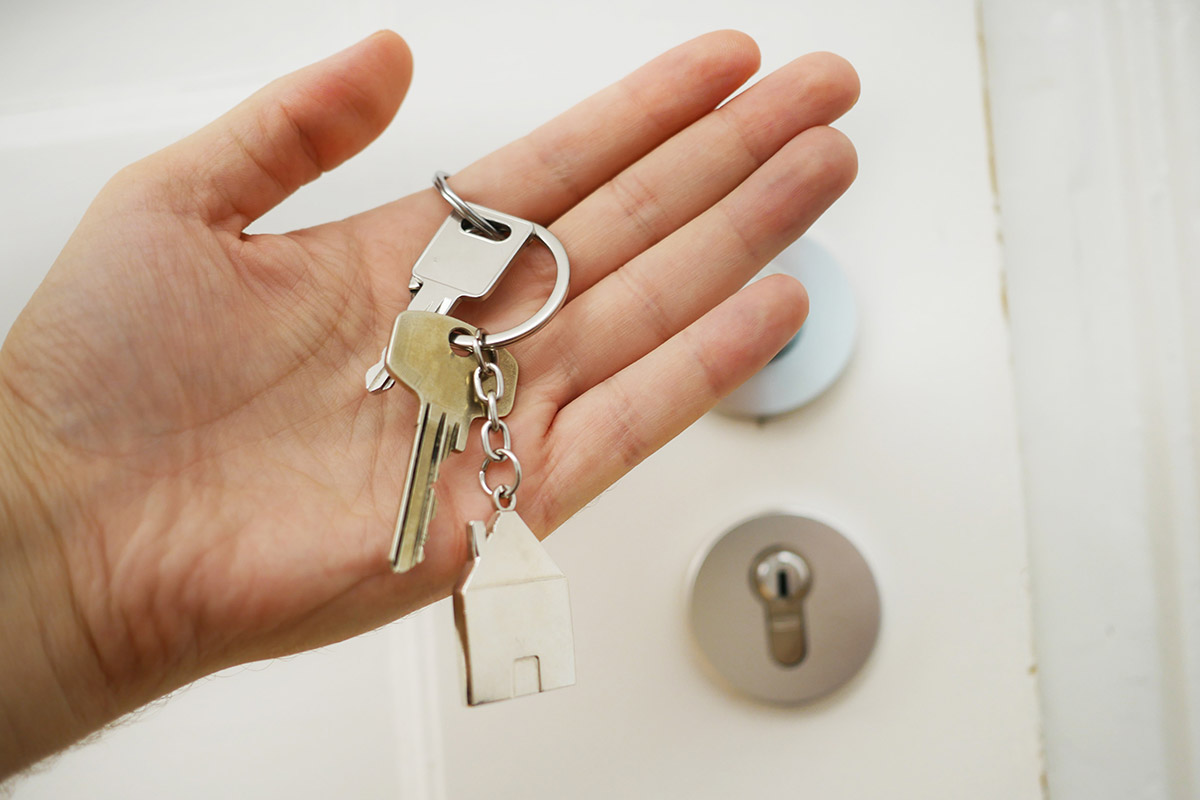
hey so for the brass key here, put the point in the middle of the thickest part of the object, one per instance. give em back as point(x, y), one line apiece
point(419, 356)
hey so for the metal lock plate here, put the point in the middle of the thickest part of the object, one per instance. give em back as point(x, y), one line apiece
point(741, 625)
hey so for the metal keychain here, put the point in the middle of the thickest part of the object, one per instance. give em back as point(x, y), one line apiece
point(466, 258)
point(511, 606)
point(504, 496)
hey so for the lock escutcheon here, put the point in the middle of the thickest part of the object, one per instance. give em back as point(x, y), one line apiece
point(768, 630)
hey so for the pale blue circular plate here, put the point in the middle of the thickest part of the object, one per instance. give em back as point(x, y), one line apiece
point(811, 362)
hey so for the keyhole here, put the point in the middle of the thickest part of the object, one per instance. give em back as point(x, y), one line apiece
point(781, 579)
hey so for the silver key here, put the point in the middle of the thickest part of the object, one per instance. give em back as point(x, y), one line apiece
point(419, 355)
point(513, 614)
point(458, 263)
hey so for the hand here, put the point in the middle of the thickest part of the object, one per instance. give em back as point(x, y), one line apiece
point(200, 479)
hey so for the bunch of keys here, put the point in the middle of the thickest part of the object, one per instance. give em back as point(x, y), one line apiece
point(511, 606)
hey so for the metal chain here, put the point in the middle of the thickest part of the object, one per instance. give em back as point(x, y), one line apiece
point(504, 496)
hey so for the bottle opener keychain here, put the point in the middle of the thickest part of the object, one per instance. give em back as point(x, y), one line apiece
point(511, 606)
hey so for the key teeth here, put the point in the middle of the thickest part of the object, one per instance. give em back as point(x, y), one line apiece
point(437, 449)
point(456, 438)
point(430, 511)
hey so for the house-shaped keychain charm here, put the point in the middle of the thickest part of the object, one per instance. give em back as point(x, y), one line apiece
point(513, 614)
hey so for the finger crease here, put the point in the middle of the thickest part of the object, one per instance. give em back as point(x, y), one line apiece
point(751, 248)
point(630, 445)
point(708, 369)
point(736, 125)
point(260, 165)
point(567, 359)
point(304, 138)
point(648, 111)
point(557, 168)
point(641, 203)
point(656, 311)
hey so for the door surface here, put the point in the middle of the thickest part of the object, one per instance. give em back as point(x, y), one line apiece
point(912, 455)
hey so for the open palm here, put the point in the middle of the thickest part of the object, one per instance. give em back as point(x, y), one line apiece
point(198, 393)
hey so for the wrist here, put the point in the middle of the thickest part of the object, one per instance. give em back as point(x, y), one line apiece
point(53, 690)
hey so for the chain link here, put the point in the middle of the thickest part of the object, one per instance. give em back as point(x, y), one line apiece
point(504, 496)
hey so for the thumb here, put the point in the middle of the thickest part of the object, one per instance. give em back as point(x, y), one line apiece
point(289, 132)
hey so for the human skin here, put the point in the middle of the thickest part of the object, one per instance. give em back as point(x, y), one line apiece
point(191, 474)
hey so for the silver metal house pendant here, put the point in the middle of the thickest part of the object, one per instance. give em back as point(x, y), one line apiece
point(513, 614)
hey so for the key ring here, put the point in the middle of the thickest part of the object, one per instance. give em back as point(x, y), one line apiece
point(464, 209)
point(474, 214)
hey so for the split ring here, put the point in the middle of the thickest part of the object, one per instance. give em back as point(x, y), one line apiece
point(463, 208)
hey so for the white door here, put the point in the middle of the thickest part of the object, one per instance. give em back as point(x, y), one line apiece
point(912, 455)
